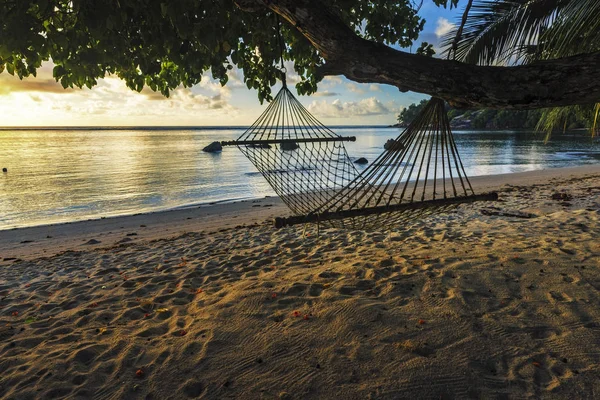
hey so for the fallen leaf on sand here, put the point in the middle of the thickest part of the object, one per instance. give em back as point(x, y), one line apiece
point(139, 373)
point(162, 310)
point(537, 364)
point(421, 321)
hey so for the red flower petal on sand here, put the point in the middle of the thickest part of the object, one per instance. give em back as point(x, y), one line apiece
point(273, 295)
point(182, 332)
point(139, 373)
point(537, 364)
point(27, 284)
point(146, 315)
point(296, 314)
point(306, 317)
point(15, 314)
point(198, 291)
point(421, 321)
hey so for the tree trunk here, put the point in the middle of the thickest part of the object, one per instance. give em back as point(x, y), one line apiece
point(560, 82)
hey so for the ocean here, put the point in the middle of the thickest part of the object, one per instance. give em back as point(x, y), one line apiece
point(66, 174)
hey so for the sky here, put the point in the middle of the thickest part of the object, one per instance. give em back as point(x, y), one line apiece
point(41, 101)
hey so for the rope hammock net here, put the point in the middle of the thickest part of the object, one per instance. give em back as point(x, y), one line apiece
point(308, 167)
point(304, 162)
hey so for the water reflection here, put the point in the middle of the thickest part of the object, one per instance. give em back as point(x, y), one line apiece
point(64, 175)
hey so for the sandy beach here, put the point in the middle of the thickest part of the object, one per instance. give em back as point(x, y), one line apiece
point(213, 302)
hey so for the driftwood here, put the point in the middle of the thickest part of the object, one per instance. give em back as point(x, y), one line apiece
point(501, 213)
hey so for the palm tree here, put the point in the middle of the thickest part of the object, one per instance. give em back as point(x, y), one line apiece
point(508, 32)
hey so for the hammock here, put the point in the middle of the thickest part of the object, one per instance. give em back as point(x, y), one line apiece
point(308, 167)
point(304, 162)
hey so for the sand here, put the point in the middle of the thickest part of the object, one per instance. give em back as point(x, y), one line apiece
point(463, 305)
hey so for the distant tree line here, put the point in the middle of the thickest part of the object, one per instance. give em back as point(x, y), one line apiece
point(562, 119)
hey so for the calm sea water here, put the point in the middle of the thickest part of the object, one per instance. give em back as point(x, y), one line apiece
point(67, 175)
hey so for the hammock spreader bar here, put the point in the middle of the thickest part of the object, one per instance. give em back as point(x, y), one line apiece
point(281, 222)
point(283, 141)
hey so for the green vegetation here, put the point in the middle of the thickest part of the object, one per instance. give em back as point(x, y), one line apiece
point(409, 113)
point(570, 118)
point(164, 44)
point(505, 32)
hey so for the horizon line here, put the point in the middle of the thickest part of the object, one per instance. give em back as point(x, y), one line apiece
point(163, 127)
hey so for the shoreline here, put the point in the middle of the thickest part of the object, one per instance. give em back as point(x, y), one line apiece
point(46, 240)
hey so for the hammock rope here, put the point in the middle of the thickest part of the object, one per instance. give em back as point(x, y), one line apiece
point(305, 162)
point(307, 165)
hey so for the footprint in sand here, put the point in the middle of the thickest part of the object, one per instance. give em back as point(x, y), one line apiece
point(558, 297)
point(569, 278)
point(361, 285)
point(193, 388)
point(329, 275)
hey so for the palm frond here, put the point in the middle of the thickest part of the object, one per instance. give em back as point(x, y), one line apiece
point(595, 123)
point(556, 118)
point(552, 118)
point(497, 31)
point(575, 31)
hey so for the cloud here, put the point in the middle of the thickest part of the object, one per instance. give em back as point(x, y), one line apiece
point(152, 95)
point(236, 78)
point(443, 27)
point(197, 101)
point(366, 107)
point(354, 88)
point(41, 101)
point(333, 79)
point(326, 93)
point(10, 84)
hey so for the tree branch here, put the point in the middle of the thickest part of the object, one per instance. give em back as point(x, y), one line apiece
point(550, 83)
